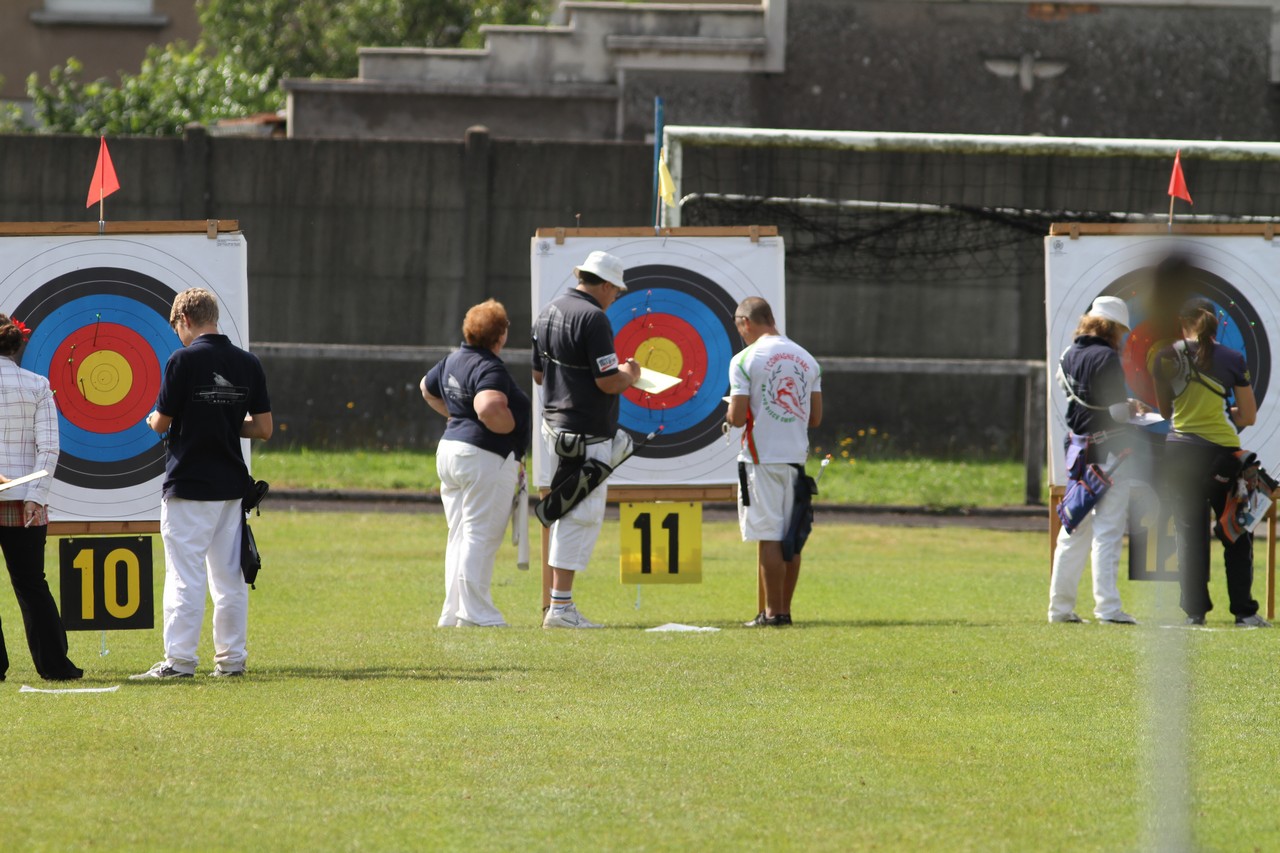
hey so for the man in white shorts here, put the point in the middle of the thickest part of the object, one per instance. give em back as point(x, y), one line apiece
point(575, 362)
point(775, 391)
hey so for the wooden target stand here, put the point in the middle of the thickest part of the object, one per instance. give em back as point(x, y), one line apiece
point(1266, 231)
point(100, 606)
point(638, 494)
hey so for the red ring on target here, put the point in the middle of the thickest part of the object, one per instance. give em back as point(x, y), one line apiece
point(631, 342)
point(88, 375)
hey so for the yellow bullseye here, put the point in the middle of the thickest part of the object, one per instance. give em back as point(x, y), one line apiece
point(104, 378)
point(660, 354)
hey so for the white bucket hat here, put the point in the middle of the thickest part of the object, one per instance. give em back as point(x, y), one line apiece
point(605, 265)
point(1111, 308)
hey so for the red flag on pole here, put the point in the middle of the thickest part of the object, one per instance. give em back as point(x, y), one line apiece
point(104, 181)
point(1177, 183)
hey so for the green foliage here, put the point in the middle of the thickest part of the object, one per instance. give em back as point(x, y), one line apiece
point(175, 87)
point(245, 50)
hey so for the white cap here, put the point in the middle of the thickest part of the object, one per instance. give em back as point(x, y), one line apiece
point(605, 265)
point(1111, 308)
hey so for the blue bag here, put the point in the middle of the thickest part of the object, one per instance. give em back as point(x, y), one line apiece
point(1085, 492)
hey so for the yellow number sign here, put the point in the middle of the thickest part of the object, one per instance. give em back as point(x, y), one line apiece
point(661, 543)
point(1153, 548)
point(106, 583)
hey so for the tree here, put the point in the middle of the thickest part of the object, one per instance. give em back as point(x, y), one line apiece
point(246, 48)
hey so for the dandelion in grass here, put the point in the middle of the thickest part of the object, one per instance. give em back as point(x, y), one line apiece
point(872, 431)
point(862, 433)
point(844, 453)
point(846, 441)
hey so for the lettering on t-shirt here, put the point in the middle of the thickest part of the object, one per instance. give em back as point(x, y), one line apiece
point(607, 362)
point(786, 388)
point(220, 393)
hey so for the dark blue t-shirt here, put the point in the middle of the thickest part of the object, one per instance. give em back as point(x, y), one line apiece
point(208, 388)
point(1097, 377)
point(457, 380)
point(572, 346)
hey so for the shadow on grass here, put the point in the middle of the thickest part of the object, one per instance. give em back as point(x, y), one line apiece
point(320, 673)
point(833, 623)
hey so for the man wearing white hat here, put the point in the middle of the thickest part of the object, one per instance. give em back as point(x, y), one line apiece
point(1098, 411)
point(576, 363)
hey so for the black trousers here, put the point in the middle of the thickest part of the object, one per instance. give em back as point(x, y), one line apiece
point(1193, 492)
point(23, 549)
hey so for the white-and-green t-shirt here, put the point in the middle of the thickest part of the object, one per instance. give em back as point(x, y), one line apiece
point(781, 378)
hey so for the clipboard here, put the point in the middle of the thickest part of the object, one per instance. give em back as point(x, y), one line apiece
point(26, 478)
point(653, 382)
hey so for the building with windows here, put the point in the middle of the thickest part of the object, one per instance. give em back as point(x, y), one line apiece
point(106, 36)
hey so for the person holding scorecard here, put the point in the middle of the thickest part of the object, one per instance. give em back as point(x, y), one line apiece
point(29, 420)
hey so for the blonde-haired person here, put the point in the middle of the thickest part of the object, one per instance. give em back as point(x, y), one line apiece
point(478, 460)
point(212, 395)
point(29, 421)
point(1204, 387)
point(1098, 411)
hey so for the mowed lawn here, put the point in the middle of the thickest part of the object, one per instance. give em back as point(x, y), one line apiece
point(920, 703)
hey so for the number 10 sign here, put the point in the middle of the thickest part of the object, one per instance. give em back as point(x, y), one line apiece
point(661, 543)
point(106, 583)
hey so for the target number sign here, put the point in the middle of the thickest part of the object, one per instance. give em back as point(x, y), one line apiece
point(1238, 272)
point(106, 583)
point(98, 307)
point(676, 318)
point(661, 543)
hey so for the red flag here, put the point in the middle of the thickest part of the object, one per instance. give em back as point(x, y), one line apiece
point(1177, 183)
point(104, 181)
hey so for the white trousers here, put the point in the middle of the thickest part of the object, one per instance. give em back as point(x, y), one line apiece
point(572, 539)
point(476, 487)
point(202, 548)
point(1099, 536)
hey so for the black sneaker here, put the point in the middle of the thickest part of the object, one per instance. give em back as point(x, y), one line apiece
point(1194, 620)
point(762, 621)
point(219, 672)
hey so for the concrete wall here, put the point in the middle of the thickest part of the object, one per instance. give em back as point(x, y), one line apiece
point(387, 243)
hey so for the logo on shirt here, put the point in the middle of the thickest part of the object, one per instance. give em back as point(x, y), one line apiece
point(786, 388)
point(454, 391)
point(220, 393)
point(607, 362)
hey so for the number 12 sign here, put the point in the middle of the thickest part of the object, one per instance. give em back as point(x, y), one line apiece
point(661, 543)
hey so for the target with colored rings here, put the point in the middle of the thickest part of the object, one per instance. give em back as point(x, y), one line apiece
point(101, 336)
point(1239, 328)
point(679, 322)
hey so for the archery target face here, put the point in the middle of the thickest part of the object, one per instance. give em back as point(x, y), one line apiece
point(676, 318)
point(1238, 274)
point(98, 308)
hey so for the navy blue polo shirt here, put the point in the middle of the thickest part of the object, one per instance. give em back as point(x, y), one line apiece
point(208, 388)
point(572, 346)
point(1097, 377)
point(458, 378)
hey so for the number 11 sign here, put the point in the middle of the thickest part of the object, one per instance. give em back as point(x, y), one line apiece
point(661, 543)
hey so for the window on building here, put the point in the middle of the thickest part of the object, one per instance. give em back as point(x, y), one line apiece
point(123, 13)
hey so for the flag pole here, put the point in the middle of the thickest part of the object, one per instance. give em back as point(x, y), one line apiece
point(658, 123)
point(1171, 201)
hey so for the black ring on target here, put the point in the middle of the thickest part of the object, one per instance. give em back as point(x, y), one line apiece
point(120, 458)
point(1243, 331)
point(695, 422)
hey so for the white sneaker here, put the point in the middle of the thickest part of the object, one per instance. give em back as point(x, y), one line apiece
point(569, 617)
point(1066, 617)
point(1118, 618)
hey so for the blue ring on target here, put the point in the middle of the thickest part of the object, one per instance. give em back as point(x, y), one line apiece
point(704, 321)
point(75, 315)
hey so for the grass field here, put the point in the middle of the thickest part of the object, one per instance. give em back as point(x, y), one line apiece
point(875, 479)
point(920, 703)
